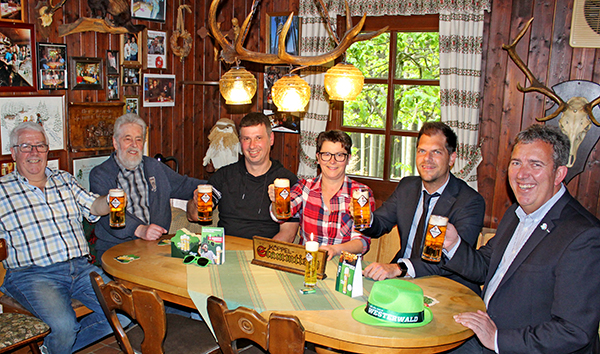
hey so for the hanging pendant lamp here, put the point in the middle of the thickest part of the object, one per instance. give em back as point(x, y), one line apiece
point(238, 86)
point(290, 94)
point(344, 82)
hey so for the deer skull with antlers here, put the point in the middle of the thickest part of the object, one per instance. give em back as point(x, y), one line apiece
point(47, 10)
point(577, 116)
point(235, 50)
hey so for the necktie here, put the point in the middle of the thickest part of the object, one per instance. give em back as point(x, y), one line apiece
point(418, 241)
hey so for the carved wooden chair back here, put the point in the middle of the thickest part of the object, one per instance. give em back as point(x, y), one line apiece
point(282, 334)
point(142, 305)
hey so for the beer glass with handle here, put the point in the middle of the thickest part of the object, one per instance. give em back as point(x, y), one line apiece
point(116, 199)
point(205, 204)
point(282, 198)
point(362, 208)
point(434, 238)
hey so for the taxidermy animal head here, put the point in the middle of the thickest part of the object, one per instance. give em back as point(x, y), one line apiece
point(47, 10)
point(120, 10)
point(577, 116)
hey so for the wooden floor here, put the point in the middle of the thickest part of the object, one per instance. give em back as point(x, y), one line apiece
point(107, 346)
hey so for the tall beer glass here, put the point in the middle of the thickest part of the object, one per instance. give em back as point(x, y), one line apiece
point(116, 199)
point(434, 238)
point(282, 198)
point(205, 204)
point(310, 273)
point(362, 208)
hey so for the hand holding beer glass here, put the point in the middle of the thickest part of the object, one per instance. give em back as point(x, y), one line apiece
point(434, 238)
point(117, 202)
point(205, 204)
point(361, 208)
point(282, 198)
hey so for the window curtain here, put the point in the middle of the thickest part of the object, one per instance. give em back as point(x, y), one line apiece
point(461, 37)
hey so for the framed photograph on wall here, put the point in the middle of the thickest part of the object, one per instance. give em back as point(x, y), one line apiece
point(275, 22)
point(18, 60)
point(112, 62)
point(131, 50)
point(49, 111)
point(12, 10)
point(132, 105)
point(159, 90)
point(83, 166)
point(52, 66)
point(156, 49)
point(112, 87)
point(131, 76)
point(153, 10)
point(87, 73)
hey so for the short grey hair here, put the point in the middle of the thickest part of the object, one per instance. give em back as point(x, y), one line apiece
point(127, 119)
point(16, 132)
point(551, 135)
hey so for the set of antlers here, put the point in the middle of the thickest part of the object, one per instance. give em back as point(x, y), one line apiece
point(234, 51)
point(536, 86)
point(47, 11)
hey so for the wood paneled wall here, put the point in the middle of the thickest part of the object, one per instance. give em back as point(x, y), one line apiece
point(179, 131)
point(505, 111)
point(182, 131)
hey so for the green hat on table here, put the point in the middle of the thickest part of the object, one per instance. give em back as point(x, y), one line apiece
point(394, 303)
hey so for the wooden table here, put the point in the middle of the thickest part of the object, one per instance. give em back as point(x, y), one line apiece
point(157, 270)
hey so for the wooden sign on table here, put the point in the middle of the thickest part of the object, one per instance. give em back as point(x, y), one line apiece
point(285, 256)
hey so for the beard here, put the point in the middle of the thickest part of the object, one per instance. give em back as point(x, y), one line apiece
point(131, 162)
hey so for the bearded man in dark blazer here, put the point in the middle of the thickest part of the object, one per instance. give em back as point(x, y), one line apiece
point(541, 269)
point(450, 197)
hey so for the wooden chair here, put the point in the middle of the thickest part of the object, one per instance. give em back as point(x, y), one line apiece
point(282, 334)
point(19, 330)
point(147, 308)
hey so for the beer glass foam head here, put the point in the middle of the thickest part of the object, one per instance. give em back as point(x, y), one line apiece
point(438, 220)
point(281, 182)
point(117, 192)
point(356, 193)
point(204, 188)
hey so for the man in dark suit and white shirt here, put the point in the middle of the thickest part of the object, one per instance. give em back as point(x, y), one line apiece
point(541, 290)
point(448, 196)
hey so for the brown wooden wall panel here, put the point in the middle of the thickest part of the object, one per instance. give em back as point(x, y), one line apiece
point(182, 131)
point(546, 50)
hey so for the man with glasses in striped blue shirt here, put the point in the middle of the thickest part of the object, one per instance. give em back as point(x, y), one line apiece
point(41, 211)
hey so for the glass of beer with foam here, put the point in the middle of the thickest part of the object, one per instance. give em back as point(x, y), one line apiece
point(282, 198)
point(362, 208)
point(434, 238)
point(205, 204)
point(116, 199)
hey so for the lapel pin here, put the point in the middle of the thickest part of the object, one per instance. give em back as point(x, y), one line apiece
point(544, 227)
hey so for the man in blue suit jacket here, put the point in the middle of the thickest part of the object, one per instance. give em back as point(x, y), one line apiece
point(541, 269)
point(464, 207)
point(148, 183)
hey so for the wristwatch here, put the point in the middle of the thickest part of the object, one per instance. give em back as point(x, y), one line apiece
point(403, 269)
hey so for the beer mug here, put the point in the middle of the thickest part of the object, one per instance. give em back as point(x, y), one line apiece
point(434, 238)
point(205, 205)
point(116, 199)
point(362, 208)
point(310, 272)
point(282, 198)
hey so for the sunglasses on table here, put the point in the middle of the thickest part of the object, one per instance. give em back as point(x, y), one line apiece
point(196, 260)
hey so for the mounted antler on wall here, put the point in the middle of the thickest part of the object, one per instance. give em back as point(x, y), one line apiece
point(576, 112)
point(235, 50)
point(47, 10)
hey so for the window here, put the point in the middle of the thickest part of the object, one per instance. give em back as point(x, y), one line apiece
point(401, 92)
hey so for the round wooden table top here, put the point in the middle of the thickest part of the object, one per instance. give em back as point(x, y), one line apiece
point(335, 329)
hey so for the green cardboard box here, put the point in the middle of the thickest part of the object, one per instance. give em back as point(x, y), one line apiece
point(176, 243)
